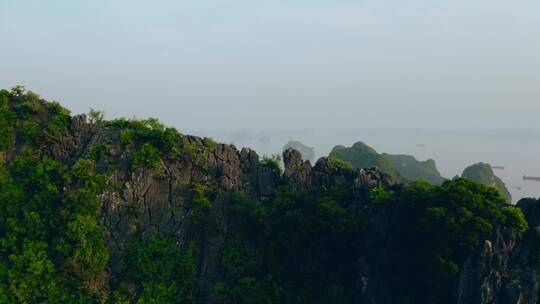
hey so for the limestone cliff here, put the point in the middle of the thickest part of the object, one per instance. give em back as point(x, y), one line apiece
point(149, 201)
point(499, 272)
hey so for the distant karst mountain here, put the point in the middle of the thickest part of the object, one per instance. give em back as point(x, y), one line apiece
point(483, 173)
point(308, 153)
point(402, 168)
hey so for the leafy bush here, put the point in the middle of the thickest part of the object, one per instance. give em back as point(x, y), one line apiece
point(150, 130)
point(437, 228)
point(7, 119)
point(51, 247)
point(285, 250)
point(27, 109)
point(273, 162)
point(4, 99)
point(378, 195)
point(98, 152)
point(146, 157)
point(162, 272)
point(241, 286)
point(513, 217)
point(201, 208)
point(96, 117)
point(59, 121)
point(30, 133)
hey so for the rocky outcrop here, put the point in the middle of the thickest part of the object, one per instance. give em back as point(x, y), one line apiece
point(483, 173)
point(308, 153)
point(504, 269)
point(142, 202)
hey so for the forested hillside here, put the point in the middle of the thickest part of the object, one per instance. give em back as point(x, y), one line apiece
point(131, 211)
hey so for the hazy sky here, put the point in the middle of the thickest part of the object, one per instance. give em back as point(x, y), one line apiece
point(299, 64)
point(329, 71)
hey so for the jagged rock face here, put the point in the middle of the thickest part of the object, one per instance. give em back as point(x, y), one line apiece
point(483, 274)
point(308, 153)
point(149, 201)
point(502, 271)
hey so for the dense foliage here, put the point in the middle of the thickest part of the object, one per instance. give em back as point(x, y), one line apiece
point(51, 245)
point(156, 271)
point(437, 227)
point(285, 250)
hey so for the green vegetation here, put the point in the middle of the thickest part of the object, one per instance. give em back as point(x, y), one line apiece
point(59, 121)
point(7, 120)
point(51, 246)
point(150, 138)
point(136, 132)
point(23, 115)
point(161, 272)
point(95, 116)
point(302, 246)
point(437, 229)
point(378, 195)
point(483, 173)
point(147, 156)
point(403, 168)
point(30, 133)
point(272, 162)
point(285, 250)
point(201, 207)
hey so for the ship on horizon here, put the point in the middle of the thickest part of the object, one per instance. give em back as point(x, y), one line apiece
point(531, 178)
